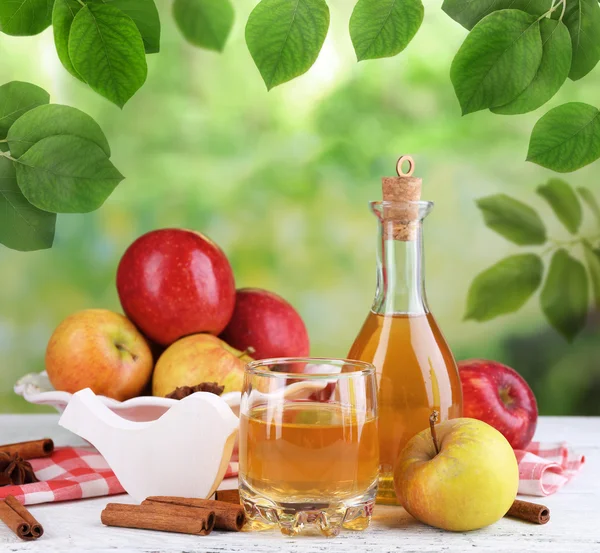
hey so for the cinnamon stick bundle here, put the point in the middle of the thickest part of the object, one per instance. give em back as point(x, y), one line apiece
point(530, 512)
point(227, 515)
point(228, 496)
point(30, 450)
point(19, 519)
point(171, 518)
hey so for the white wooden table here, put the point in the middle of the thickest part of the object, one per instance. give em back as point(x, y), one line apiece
point(574, 526)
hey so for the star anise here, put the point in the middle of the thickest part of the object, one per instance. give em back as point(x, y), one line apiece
point(14, 470)
point(184, 391)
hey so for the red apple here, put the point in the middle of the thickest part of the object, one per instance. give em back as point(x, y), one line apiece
point(498, 395)
point(176, 282)
point(269, 324)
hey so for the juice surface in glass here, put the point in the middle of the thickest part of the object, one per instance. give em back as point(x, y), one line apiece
point(304, 451)
point(416, 373)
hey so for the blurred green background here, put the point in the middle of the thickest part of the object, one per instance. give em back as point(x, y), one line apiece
point(281, 181)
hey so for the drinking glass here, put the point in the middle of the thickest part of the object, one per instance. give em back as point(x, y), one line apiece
point(308, 444)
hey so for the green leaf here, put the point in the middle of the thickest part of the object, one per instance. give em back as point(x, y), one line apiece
point(15, 99)
point(551, 73)
point(143, 13)
point(66, 174)
point(469, 12)
point(107, 50)
point(564, 202)
point(566, 138)
point(582, 18)
point(592, 259)
point(513, 219)
point(204, 23)
point(504, 287)
point(497, 60)
point(285, 37)
point(383, 28)
point(53, 120)
point(25, 17)
point(145, 17)
point(63, 13)
point(23, 227)
point(590, 200)
point(564, 297)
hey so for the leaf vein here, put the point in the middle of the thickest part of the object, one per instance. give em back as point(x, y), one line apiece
point(497, 59)
point(15, 209)
point(562, 142)
point(287, 36)
point(385, 21)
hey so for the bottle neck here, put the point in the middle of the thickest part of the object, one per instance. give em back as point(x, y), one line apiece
point(400, 272)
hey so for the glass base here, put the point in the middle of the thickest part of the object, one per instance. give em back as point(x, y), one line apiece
point(386, 493)
point(328, 518)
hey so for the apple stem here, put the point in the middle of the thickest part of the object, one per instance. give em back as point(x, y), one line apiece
point(248, 351)
point(121, 348)
point(433, 419)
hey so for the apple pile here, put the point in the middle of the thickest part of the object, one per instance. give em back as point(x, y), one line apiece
point(177, 290)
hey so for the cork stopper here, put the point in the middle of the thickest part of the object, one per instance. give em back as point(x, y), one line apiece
point(401, 220)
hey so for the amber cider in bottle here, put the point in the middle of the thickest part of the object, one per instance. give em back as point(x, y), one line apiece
point(416, 371)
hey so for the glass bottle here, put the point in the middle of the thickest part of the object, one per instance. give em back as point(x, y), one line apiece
point(416, 371)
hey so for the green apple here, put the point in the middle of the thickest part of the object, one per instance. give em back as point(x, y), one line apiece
point(470, 483)
point(196, 359)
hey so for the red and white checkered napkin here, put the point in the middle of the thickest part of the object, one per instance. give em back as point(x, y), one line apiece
point(72, 473)
point(545, 468)
point(76, 473)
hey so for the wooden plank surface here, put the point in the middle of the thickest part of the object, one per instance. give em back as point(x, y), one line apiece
point(575, 525)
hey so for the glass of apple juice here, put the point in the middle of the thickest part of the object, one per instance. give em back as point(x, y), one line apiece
point(308, 444)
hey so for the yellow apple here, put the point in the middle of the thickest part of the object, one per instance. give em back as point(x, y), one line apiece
point(101, 350)
point(469, 484)
point(199, 358)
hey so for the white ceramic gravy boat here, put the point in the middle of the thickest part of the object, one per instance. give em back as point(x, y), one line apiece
point(185, 452)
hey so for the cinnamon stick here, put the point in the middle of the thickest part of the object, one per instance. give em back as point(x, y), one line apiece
point(172, 518)
point(15, 505)
point(19, 519)
point(228, 496)
point(530, 512)
point(30, 450)
point(227, 515)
